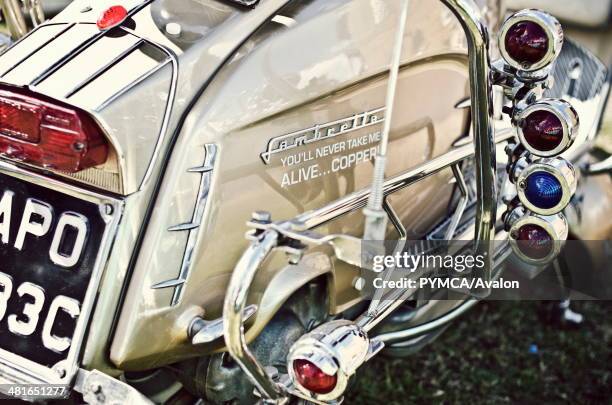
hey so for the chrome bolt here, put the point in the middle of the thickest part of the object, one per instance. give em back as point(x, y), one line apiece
point(78, 146)
point(173, 29)
point(272, 372)
point(359, 283)
point(522, 184)
point(108, 209)
point(263, 217)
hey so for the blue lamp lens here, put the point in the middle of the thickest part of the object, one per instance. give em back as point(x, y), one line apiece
point(543, 190)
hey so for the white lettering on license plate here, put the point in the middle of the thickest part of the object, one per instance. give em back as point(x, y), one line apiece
point(36, 221)
point(26, 323)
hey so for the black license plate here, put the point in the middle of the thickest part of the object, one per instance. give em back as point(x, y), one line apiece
point(48, 247)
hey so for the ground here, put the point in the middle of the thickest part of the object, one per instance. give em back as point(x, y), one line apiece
point(500, 352)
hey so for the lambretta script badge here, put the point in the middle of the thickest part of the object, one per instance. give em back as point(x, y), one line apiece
point(320, 132)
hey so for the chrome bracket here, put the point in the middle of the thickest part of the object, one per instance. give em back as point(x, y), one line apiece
point(605, 166)
point(206, 331)
point(98, 388)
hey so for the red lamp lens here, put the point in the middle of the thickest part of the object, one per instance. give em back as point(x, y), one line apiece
point(526, 42)
point(534, 241)
point(543, 130)
point(313, 378)
point(112, 17)
point(48, 134)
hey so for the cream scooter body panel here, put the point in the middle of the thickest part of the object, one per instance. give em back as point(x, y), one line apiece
point(271, 87)
point(217, 96)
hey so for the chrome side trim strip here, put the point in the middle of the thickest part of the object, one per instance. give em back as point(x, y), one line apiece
point(66, 58)
point(168, 284)
point(193, 226)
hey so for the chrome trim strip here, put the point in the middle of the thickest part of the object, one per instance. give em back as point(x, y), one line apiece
point(136, 82)
point(66, 58)
point(172, 58)
point(168, 284)
point(10, 362)
point(53, 38)
point(193, 226)
point(104, 68)
point(86, 44)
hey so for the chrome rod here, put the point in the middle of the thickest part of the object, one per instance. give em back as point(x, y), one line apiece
point(233, 313)
point(15, 22)
point(427, 327)
point(452, 227)
point(358, 199)
point(375, 217)
point(475, 28)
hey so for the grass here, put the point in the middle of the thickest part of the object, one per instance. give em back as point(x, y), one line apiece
point(487, 357)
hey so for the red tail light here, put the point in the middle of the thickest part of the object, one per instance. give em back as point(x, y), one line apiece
point(527, 42)
point(112, 17)
point(543, 130)
point(313, 378)
point(47, 133)
point(534, 241)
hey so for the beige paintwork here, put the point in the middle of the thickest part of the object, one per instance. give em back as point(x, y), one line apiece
point(328, 66)
point(241, 91)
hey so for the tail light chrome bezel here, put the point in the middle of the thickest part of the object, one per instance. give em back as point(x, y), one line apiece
point(336, 348)
point(561, 170)
point(551, 27)
point(566, 114)
point(555, 225)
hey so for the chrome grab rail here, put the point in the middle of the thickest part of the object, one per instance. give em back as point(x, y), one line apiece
point(233, 309)
point(474, 25)
point(475, 29)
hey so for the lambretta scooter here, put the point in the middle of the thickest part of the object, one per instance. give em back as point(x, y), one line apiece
point(136, 138)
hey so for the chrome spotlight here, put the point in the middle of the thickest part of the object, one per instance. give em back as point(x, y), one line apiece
point(530, 41)
point(547, 127)
point(321, 362)
point(536, 239)
point(546, 186)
